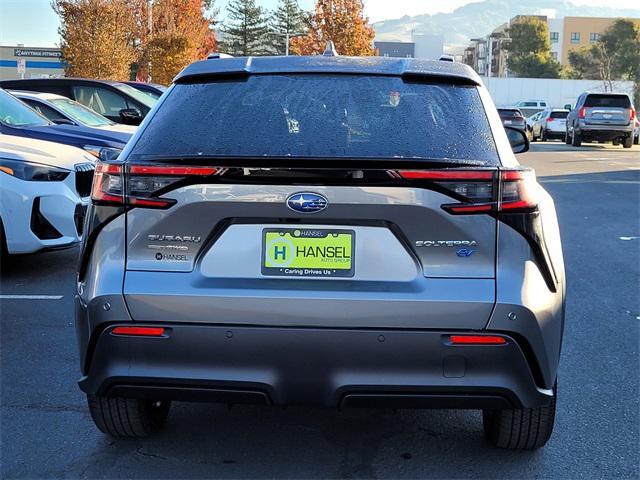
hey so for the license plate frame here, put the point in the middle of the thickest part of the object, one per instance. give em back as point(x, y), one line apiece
point(303, 265)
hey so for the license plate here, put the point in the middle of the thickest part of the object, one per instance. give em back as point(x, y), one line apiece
point(508, 122)
point(607, 115)
point(308, 252)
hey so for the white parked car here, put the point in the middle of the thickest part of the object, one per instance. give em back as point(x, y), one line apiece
point(45, 188)
point(549, 124)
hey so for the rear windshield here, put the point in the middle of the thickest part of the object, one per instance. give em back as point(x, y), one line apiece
point(616, 101)
point(559, 114)
point(330, 116)
point(509, 113)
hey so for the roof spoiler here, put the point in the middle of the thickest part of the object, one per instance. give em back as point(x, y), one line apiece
point(216, 55)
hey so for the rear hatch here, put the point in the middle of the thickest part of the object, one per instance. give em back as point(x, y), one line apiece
point(512, 117)
point(557, 120)
point(313, 201)
point(607, 109)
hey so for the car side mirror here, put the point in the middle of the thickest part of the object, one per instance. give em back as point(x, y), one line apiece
point(567, 106)
point(517, 139)
point(130, 116)
point(62, 121)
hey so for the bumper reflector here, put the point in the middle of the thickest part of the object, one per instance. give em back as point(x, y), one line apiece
point(139, 331)
point(477, 340)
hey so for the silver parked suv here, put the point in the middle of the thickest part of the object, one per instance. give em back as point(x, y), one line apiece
point(323, 230)
point(601, 117)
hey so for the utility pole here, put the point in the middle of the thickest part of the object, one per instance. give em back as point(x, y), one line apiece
point(150, 28)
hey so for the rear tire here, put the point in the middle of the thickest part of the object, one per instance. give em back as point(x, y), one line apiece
point(520, 428)
point(127, 417)
point(636, 140)
point(567, 139)
point(628, 142)
point(543, 136)
point(576, 139)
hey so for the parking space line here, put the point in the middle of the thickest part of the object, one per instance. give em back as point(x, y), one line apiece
point(30, 297)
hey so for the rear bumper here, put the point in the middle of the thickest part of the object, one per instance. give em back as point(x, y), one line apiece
point(554, 133)
point(314, 366)
point(605, 132)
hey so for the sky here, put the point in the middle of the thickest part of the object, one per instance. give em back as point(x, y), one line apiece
point(34, 24)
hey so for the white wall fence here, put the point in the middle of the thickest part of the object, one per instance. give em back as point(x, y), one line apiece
point(508, 91)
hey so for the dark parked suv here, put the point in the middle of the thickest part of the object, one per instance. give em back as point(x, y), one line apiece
point(601, 117)
point(325, 230)
point(119, 102)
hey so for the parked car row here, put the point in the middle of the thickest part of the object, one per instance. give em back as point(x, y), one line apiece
point(52, 131)
point(596, 117)
point(119, 102)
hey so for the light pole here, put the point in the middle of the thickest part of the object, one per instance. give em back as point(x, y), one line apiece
point(288, 36)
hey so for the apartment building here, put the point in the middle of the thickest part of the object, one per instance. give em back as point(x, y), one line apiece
point(578, 32)
point(489, 58)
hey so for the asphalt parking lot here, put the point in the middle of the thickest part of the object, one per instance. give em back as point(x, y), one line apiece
point(46, 432)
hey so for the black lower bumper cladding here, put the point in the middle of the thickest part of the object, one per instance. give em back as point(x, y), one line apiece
point(311, 366)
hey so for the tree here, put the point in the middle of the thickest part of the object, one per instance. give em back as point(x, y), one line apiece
point(246, 32)
point(341, 21)
point(287, 18)
point(105, 38)
point(97, 38)
point(530, 49)
point(614, 56)
point(181, 34)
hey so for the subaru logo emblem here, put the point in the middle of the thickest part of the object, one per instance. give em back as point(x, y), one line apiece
point(307, 202)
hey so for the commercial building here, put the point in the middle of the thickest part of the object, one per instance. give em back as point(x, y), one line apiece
point(18, 61)
point(422, 45)
point(395, 49)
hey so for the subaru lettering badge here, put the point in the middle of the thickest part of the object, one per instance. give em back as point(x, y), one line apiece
point(307, 202)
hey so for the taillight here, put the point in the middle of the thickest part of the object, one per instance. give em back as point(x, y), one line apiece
point(139, 185)
point(108, 184)
point(477, 340)
point(139, 331)
point(482, 191)
point(517, 190)
point(581, 112)
point(550, 119)
point(632, 114)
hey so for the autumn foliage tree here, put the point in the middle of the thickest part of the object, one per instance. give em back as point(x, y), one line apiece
point(97, 38)
point(105, 38)
point(341, 21)
point(181, 34)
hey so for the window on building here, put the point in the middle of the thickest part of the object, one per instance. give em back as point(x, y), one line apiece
point(554, 55)
point(555, 37)
point(575, 37)
point(594, 37)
